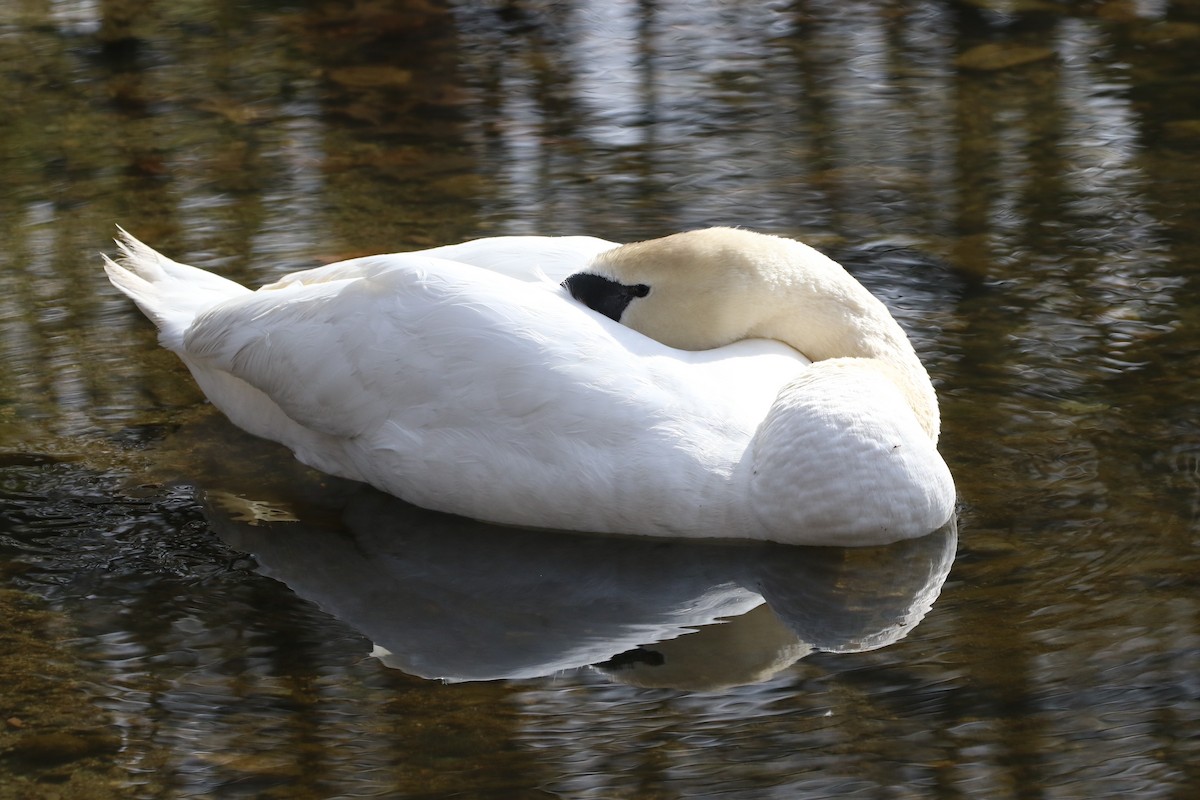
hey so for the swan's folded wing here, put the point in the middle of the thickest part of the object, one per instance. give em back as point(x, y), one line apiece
point(431, 341)
point(463, 390)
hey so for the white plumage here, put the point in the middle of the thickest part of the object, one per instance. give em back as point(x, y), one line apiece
point(465, 379)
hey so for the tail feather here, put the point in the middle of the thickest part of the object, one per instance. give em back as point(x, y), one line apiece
point(169, 293)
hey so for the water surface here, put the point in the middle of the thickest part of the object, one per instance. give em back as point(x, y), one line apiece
point(1018, 181)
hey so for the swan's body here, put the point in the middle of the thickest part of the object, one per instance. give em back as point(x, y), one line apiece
point(464, 379)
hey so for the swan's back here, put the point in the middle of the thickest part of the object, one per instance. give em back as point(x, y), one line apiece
point(534, 259)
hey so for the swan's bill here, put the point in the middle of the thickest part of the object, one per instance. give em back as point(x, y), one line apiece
point(603, 294)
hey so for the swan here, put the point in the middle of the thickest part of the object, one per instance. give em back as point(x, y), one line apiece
point(717, 383)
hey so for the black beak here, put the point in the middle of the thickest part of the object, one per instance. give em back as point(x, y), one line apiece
point(602, 294)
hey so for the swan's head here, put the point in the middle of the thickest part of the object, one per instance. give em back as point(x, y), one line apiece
point(707, 288)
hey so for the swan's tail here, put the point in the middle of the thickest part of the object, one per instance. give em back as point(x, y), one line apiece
point(169, 293)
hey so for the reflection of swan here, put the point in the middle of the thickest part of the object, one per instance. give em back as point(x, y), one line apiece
point(468, 390)
point(747, 649)
point(444, 597)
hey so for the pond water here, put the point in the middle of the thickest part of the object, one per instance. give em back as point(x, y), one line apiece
point(186, 612)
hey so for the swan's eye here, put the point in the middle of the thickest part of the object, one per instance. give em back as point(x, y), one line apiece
point(639, 290)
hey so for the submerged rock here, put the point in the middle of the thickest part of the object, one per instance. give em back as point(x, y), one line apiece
point(58, 747)
point(998, 56)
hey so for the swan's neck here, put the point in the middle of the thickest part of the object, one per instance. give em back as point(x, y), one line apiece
point(844, 320)
point(748, 285)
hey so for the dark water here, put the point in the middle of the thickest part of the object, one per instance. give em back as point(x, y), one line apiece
point(187, 613)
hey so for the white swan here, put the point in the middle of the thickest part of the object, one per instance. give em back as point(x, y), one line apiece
point(465, 379)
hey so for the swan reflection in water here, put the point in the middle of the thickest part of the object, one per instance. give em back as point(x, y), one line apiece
point(447, 598)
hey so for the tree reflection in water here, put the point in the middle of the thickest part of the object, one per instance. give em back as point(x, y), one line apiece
point(1027, 211)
